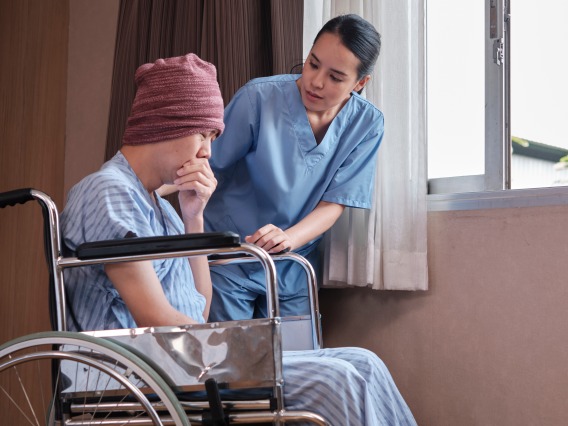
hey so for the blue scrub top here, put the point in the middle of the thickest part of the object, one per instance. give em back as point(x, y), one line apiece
point(270, 168)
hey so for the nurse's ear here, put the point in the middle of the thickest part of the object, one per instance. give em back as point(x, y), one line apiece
point(361, 83)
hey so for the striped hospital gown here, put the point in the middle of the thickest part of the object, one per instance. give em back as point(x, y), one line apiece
point(108, 205)
point(348, 386)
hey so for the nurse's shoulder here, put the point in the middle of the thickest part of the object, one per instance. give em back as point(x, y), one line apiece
point(366, 107)
point(266, 86)
point(365, 112)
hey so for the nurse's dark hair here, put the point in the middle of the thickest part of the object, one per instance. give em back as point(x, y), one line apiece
point(357, 35)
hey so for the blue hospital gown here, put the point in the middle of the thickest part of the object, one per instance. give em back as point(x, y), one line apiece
point(271, 170)
point(348, 386)
point(108, 205)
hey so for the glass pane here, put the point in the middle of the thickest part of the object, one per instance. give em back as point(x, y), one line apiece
point(456, 81)
point(539, 93)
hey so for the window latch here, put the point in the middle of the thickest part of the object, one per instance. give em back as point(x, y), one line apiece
point(498, 51)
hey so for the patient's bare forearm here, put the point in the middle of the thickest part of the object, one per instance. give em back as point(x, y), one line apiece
point(141, 291)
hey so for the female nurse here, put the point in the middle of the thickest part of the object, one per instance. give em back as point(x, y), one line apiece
point(296, 150)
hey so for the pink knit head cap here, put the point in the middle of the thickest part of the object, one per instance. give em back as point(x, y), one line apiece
point(175, 97)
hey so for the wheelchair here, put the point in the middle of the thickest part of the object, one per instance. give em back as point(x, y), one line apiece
point(211, 374)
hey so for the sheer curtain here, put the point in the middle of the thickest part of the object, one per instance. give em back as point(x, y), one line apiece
point(385, 247)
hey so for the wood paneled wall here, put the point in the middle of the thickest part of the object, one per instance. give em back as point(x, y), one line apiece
point(33, 82)
point(33, 87)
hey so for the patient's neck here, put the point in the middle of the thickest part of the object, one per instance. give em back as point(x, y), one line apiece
point(143, 163)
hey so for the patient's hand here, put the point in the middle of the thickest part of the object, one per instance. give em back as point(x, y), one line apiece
point(196, 183)
point(271, 238)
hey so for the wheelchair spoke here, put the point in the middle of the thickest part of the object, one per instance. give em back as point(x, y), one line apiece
point(26, 395)
point(95, 382)
point(18, 406)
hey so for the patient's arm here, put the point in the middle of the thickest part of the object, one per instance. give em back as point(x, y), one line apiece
point(140, 288)
point(274, 239)
point(196, 182)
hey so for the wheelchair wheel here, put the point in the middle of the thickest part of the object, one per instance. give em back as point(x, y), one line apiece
point(65, 378)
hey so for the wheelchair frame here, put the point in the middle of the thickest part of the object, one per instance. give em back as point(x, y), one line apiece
point(140, 385)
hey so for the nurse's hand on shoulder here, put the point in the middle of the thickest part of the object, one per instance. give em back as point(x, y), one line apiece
point(196, 183)
point(270, 238)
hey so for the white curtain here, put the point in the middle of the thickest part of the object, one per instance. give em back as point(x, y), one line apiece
point(385, 247)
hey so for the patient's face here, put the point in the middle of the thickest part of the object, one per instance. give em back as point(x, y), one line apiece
point(192, 149)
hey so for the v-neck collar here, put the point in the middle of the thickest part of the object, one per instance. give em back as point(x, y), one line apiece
point(303, 128)
point(153, 202)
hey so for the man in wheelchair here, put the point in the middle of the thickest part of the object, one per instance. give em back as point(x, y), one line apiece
point(176, 115)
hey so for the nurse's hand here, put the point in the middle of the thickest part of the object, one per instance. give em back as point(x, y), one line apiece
point(196, 183)
point(271, 238)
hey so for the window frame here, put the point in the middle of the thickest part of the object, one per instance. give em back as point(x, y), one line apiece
point(492, 190)
point(497, 168)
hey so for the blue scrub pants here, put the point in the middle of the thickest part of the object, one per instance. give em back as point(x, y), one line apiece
point(239, 292)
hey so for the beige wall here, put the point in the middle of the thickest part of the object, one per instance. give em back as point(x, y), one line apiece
point(488, 343)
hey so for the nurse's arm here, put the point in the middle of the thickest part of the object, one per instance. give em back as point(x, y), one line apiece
point(275, 240)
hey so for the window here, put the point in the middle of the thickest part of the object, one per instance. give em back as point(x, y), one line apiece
point(496, 94)
point(539, 90)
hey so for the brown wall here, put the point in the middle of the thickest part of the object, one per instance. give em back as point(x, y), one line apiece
point(33, 84)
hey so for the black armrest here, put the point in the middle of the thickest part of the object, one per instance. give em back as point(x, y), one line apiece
point(151, 245)
point(17, 196)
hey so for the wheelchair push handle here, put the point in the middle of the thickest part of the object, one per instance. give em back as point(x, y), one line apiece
point(16, 196)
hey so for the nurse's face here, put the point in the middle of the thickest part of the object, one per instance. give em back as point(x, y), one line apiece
point(329, 75)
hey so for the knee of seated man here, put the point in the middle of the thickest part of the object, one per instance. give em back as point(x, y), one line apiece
point(343, 374)
point(323, 365)
point(363, 355)
point(363, 360)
